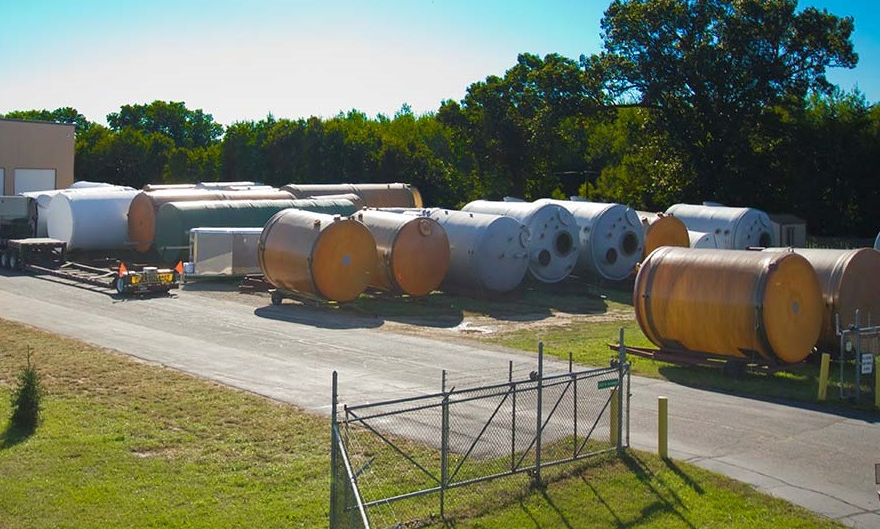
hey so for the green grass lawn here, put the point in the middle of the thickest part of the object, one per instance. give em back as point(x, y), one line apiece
point(124, 443)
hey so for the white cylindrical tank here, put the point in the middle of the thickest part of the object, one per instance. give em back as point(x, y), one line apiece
point(699, 239)
point(733, 228)
point(611, 238)
point(96, 219)
point(553, 235)
point(486, 252)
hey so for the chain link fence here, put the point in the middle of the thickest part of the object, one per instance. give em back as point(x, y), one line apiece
point(465, 450)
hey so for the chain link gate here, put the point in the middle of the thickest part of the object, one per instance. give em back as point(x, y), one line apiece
point(460, 450)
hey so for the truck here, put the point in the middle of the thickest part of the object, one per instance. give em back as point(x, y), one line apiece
point(21, 250)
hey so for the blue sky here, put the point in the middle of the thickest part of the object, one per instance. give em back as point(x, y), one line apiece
point(240, 60)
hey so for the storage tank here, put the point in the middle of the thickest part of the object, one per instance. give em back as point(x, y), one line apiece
point(486, 252)
point(175, 219)
point(553, 235)
point(733, 228)
point(699, 239)
point(735, 303)
point(661, 229)
point(413, 251)
point(850, 281)
point(93, 219)
point(143, 209)
point(44, 198)
point(324, 256)
point(395, 195)
point(611, 238)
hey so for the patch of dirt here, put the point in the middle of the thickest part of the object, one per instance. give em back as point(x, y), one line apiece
point(442, 316)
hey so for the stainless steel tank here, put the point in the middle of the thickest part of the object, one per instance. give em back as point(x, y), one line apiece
point(743, 304)
point(611, 238)
point(323, 256)
point(732, 228)
point(699, 239)
point(554, 241)
point(486, 252)
point(413, 251)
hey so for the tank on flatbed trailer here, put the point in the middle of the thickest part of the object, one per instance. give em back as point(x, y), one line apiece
point(21, 250)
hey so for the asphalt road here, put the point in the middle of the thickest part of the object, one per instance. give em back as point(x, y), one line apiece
point(823, 461)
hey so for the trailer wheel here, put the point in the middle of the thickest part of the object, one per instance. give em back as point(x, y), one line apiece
point(4, 259)
point(277, 298)
point(14, 261)
point(119, 285)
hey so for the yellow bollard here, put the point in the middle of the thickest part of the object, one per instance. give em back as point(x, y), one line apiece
point(663, 427)
point(876, 384)
point(613, 411)
point(823, 377)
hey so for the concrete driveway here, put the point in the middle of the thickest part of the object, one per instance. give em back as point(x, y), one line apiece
point(821, 460)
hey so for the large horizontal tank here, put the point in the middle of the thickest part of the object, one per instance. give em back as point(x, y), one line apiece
point(413, 251)
point(850, 281)
point(44, 198)
point(611, 238)
point(395, 195)
point(733, 303)
point(733, 228)
point(325, 256)
point(146, 204)
point(90, 219)
point(175, 219)
point(661, 229)
point(486, 252)
point(553, 235)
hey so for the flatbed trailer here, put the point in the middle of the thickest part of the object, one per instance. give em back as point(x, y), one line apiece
point(732, 366)
point(44, 256)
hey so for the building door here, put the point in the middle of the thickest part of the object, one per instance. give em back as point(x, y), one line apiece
point(33, 180)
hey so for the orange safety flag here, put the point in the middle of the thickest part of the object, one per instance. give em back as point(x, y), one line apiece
point(179, 268)
point(122, 269)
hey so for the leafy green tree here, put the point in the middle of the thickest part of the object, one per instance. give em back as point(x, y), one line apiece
point(59, 115)
point(185, 127)
point(711, 67)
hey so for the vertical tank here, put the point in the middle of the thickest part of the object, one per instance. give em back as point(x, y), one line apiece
point(730, 302)
point(733, 228)
point(553, 235)
point(174, 220)
point(850, 281)
point(661, 229)
point(486, 252)
point(413, 251)
point(93, 219)
point(395, 195)
point(325, 256)
point(143, 209)
point(611, 238)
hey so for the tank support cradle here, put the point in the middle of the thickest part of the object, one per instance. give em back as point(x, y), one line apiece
point(729, 365)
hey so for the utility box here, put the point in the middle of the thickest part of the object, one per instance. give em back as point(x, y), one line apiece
point(223, 252)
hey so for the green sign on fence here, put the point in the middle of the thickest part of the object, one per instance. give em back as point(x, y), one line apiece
point(609, 383)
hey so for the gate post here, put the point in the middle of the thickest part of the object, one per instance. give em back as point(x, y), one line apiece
point(444, 447)
point(539, 431)
point(334, 479)
point(621, 368)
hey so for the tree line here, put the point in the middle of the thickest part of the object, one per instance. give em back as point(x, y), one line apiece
point(690, 100)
